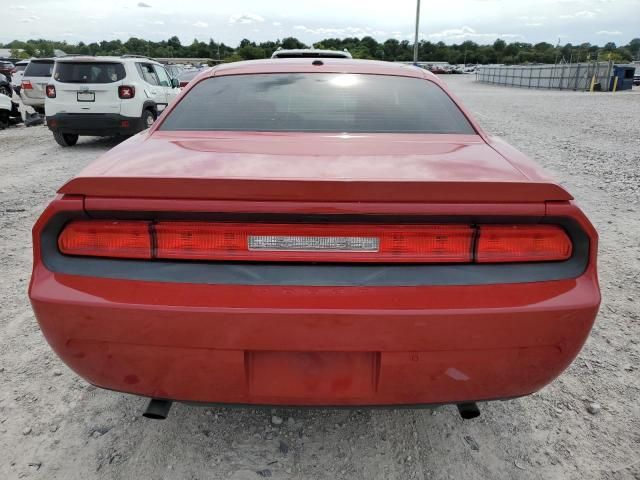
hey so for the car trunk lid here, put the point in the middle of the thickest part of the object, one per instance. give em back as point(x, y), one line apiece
point(311, 168)
point(85, 98)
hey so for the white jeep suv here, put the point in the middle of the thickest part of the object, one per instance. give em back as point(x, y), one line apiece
point(106, 96)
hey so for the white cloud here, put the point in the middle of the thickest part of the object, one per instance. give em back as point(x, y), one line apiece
point(581, 14)
point(276, 24)
point(17, 7)
point(245, 18)
point(468, 33)
point(29, 19)
point(531, 19)
point(609, 32)
point(334, 32)
point(200, 24)
point(158, 22)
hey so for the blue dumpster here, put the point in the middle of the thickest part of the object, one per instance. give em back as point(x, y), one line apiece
point(624, 74)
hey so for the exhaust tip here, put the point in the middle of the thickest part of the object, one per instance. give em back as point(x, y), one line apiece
point(468, 410)
point(157, 409)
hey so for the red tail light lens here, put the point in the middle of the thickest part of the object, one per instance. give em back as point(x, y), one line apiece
point(316, 243)
point(26, 85)
point(51, 91)
point(522, 243)
point(106, 239)
point(125, 92)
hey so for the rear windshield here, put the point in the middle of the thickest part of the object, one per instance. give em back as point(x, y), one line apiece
point(318, 102)
point(39, 69)
point(21, 66)
point(89, 72)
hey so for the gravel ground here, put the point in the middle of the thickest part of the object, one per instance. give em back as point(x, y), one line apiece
point(55, 426)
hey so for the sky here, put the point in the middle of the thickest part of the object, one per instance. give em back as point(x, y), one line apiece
point(453, 21)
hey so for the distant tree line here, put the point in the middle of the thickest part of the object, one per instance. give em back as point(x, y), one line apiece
point(367, 47)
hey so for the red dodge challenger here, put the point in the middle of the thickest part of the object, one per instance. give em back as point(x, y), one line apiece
point(315, 232)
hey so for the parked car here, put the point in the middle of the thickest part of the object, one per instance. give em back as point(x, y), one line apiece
point(5, 86)
point(106, 96)
point(636, 79)
point(7, 68)
point(174, 71)
point(309, 53)
point(9, 113)
point(187, 75)
point(258, 246)
point(34, 80)
point(16, 78)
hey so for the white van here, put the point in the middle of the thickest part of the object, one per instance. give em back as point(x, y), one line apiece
point(106, 96)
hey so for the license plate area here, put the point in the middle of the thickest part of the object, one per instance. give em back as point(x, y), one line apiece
point(312, 375)
point(86, 96)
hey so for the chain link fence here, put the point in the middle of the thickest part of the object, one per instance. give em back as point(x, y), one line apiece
point(576, 76)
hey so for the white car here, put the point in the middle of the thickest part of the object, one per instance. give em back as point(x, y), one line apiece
point(16, 78)
point(310, 53)
point(34, 80)
point(106, 96)
point(5, 110)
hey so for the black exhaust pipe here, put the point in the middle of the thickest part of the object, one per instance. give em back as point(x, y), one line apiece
point(468, 410)
point(157, 409)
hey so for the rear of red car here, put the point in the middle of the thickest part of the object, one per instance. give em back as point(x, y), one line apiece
point(299, 265)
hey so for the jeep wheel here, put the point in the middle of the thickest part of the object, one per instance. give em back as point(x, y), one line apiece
point(65, 139)
point(148, 117)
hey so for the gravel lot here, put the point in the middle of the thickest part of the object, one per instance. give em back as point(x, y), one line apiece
point(55, 426)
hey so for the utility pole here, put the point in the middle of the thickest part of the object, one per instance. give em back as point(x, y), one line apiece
point(415, 45)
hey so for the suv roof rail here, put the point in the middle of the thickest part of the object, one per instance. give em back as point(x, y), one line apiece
point(75, 55)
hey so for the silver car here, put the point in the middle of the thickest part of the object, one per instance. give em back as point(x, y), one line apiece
point(34, 81)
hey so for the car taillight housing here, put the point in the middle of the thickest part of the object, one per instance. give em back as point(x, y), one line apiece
point(26, 85)
point(50, 91)
point(522, 243)
point(211, 241)
point(106, 239)
point(126, 92)
point(319, 243)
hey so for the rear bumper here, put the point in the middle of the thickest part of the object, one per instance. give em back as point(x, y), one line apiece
point(98, 124)
point(32, 102)
point(301, 344)
point(315, 345)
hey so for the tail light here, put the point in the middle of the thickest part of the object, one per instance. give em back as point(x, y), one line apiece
point(184, 83)
point(106, 239)
point(316, 243)
point(26, 85)
point(51, 91)
point(522, 243)
point(125, 92)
